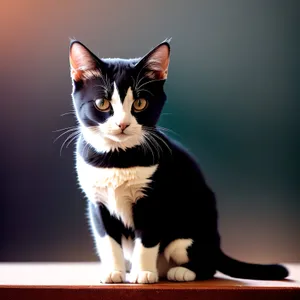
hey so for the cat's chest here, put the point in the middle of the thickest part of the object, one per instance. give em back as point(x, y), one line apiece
point(117, 188)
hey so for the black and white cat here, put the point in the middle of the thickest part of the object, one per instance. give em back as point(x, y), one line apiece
point(150, 210)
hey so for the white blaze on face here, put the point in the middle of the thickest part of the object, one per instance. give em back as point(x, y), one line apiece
point(122, 111)
point(107, 136)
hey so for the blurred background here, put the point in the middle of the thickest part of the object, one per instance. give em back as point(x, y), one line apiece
point(233, 100)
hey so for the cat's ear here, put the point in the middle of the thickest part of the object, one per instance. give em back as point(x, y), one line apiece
point(156, 62)
point(83, 63)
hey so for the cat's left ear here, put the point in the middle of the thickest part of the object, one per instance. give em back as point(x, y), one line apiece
point(83, 63)
point(156, 62)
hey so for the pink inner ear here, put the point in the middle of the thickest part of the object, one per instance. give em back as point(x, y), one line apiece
point(80, 61)
point(158, 63)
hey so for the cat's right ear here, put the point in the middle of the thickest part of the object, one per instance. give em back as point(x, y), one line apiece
point(83, 63)
point(156, 62)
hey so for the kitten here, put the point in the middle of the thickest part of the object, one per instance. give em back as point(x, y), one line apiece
point(151, 211)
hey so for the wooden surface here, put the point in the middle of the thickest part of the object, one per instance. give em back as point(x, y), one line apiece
point(80, 281)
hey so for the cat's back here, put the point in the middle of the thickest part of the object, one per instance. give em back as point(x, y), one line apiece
point(182, 162)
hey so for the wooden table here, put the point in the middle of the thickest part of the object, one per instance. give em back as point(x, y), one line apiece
point(78, 281)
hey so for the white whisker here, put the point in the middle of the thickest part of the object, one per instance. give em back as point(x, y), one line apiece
point(141, 90)
point(72, 139)
point(137, 78)
point(74, 134)
point(107, 82)
point(133, 82)
point(167, 130)
point(68, 113)
point(155, 144)
point(153, 132)
point(58, 130)
point(67, 131)
point(148, 146)
point(150, 81)
point(101, 86)
point(143, 146)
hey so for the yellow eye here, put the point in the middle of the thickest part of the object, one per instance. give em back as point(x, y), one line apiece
point(139, 104)
point(102, 104)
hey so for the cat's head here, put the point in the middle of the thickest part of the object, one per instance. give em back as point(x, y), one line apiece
point(118, 101)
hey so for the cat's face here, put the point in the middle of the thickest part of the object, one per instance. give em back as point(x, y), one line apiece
point(118, 101)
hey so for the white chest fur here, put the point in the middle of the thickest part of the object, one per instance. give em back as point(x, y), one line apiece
point(117, 188)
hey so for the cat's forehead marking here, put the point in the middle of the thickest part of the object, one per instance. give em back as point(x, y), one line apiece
point(116, 100)
point(128, 100)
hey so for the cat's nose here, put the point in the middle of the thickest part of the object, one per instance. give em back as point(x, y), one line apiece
point(123, 126)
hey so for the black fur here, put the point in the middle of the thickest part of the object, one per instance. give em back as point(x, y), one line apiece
point(125, 73)
point(178, 202)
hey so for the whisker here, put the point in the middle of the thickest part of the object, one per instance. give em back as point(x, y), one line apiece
point(58, 130)
point(147, 143)
point(68, 131)
point(150, 81)
point(68, 113)
point(140, 90)
point(107, 82)
point(160, 128)
point(66, 140)
point(153, 132)
point(106, 85)
point(158, 137)
point(133, 83)
point(143, 146)
point(100, 86)
point(157, 147)
point(72, 139)
point(167, 130)
point(137, 78)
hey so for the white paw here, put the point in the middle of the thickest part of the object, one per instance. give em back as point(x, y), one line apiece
point(112, 277)
point(143, 277)
point(181, 274)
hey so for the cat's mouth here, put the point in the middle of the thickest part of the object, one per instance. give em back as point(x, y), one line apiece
point(119, 137)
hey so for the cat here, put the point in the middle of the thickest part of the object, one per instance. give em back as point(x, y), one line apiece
point(151, 213)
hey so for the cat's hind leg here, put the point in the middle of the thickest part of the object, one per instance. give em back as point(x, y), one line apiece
point(191, 261)
point(177, 252)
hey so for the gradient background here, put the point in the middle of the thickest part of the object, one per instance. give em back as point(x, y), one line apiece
point(233, 93)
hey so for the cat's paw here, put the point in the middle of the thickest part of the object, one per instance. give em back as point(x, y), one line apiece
point(143, 277)
point(181, 274)
point(112, 277)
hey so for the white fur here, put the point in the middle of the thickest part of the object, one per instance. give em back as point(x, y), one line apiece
point(176, 250)
point(181, 274)
point(128, 246)
point(112, 260)
point(144, 261)
point(107, 136)
point(163, 266)
point(117, 188)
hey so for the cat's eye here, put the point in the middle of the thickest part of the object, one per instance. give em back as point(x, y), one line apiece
point(102, 104)
point(139, 104)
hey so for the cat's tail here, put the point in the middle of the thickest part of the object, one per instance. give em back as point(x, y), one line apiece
point(238, 269)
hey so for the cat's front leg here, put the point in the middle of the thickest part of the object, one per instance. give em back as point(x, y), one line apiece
point(107, 235)
point(145, 252)
point(144, 262)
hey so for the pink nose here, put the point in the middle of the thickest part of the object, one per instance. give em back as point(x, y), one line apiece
point(123, 126)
